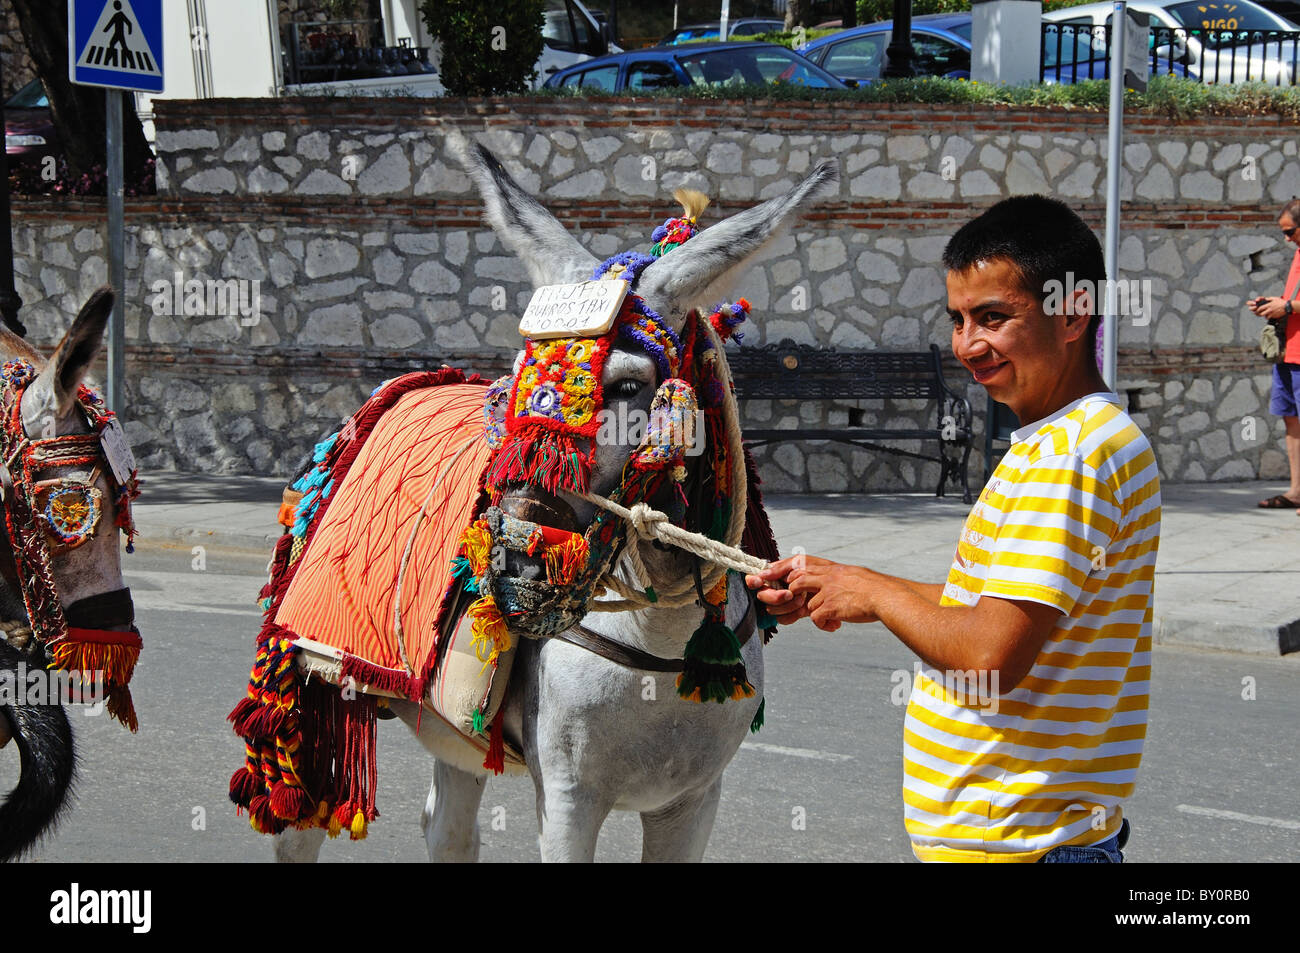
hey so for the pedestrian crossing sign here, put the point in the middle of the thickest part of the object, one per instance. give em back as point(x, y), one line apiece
point(116, 43)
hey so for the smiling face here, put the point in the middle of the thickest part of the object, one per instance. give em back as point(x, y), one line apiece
point(1023, 357)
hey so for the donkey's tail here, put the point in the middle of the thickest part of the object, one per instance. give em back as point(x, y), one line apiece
point(44, 740)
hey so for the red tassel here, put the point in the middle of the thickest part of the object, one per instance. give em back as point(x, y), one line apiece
point(289, 802)
point(244, 786)
point(240, 713)
point(496, 756)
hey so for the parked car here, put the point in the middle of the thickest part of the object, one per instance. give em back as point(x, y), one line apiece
point(941, 46)
point(745, 26)
point(662, 67)
point(1219, 42)
point(29, 130)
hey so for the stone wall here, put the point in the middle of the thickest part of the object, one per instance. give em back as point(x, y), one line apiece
point(371, 256)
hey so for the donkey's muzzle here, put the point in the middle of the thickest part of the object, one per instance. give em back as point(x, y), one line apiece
point(105, 610)
point(532, 504)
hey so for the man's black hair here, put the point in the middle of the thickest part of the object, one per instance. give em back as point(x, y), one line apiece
point(1044, 240)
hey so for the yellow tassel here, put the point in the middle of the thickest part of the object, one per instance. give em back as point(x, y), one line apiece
point(693, 202)
point(488, 627)
point(359, 826)
point(563, 560)
point(478, 546)
point(334, 828)
point(718, 594)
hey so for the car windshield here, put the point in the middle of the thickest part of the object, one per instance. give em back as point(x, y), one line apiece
point(762, 64)
point(31, 96)
point(1221, 23)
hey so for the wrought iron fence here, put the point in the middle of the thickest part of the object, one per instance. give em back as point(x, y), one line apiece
point(1073, 52)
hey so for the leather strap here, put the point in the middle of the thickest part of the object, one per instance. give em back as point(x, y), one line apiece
point(102, 610)
point(630, 657)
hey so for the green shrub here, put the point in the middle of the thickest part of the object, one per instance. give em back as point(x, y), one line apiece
point(488, 47)
point(1169, 96)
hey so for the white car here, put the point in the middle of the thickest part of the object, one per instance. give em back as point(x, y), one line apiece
point(1220, 42)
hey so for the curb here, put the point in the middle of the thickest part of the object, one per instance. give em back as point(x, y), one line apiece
point(1259, 638)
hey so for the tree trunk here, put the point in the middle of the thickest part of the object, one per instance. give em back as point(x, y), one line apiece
point(78, 112)
point(849, 13)
point(796, 13)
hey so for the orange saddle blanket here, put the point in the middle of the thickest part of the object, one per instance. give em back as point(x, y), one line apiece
point(366, 592)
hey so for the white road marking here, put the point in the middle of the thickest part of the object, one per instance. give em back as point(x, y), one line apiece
point(1234, 816)
point(810, 753)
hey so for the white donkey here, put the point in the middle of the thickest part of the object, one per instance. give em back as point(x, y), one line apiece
point(591, 742)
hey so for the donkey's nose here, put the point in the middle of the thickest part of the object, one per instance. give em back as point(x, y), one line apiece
point(535, 505)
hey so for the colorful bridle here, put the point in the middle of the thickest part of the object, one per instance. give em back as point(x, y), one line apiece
point(542, 424)
point(46, 518)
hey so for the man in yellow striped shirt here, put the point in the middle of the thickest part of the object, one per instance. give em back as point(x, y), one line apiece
point(1023, 736)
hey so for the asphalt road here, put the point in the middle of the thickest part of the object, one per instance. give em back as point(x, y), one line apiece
point(1218, 783)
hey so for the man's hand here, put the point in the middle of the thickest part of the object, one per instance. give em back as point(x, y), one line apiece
point(1270, 308)
point(805, 586)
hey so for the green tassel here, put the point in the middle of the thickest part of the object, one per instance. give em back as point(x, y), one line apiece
point(757, 723)
point(721, 517)
point(766, 620)
point(478, 722)
point(651, 594)
point(713, 668)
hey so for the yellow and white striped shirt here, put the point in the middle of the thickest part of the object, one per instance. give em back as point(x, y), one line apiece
point(1070, 519)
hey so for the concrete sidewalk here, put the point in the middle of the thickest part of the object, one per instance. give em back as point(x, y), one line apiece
point(1228, 575)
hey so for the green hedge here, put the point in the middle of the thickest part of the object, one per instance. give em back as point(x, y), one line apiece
point(1168, 96)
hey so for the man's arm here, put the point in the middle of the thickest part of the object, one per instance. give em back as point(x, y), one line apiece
point(994, 635)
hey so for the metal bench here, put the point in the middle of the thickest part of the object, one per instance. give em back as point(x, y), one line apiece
point(789, 371)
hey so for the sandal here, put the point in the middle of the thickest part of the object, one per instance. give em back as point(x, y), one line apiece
point(1278, 502)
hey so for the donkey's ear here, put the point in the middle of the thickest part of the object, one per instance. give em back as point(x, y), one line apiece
point(550, 253)
point(701, 271)
point(73, 356)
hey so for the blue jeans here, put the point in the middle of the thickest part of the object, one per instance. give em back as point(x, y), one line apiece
point(1107, 852)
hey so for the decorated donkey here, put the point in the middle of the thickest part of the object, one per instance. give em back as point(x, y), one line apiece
point(567, 519)
point(67, 480)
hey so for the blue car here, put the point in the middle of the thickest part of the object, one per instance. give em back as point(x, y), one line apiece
point(941, 46)
point(696, 64)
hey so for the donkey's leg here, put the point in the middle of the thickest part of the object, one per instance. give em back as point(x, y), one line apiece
point(679, 832)
point(450, 815)
point(299, 847)
point(569, 821)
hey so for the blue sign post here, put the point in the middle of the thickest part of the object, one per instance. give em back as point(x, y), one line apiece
point(117, 44)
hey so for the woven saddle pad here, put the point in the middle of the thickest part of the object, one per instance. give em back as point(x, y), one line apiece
point(396, 521)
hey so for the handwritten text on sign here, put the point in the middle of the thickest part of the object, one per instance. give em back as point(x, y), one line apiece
point(582, 309)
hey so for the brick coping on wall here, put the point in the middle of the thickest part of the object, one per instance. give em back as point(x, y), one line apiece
point(444, 213)
point(780, 116)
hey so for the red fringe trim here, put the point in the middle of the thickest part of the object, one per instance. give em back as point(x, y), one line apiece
point(496, 755)
point(383, 679)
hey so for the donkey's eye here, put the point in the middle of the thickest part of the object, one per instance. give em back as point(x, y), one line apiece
point(627, 387)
